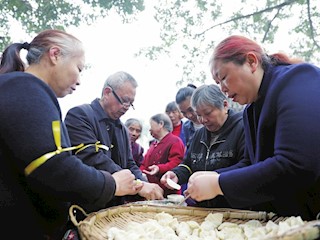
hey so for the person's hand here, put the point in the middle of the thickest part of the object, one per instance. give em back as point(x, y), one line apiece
point(169, 175)
point(203, 186)
point(151, 191)
point(196, 174)
point(126, 183)
point(152, 170)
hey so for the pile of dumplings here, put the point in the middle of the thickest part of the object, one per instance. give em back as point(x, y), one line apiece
point(165, 226)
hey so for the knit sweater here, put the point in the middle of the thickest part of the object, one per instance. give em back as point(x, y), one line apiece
point(166, 154)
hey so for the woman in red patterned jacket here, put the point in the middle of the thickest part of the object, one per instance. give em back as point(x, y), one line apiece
point(165, 153)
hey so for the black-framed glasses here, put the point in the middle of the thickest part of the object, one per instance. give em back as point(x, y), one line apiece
point(123, 103)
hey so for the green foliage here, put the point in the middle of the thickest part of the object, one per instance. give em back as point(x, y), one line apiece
point(189, 28)
point(193, 27)
point(37, 15)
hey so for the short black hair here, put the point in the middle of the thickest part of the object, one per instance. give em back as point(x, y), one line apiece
point(184, 93)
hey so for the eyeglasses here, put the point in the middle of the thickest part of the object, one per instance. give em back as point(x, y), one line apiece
point(123, 103)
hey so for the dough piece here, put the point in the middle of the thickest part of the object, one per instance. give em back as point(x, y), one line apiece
point(294, 221)
point(166, 219)
point(227, 225)
point(231, 233)
point(212, 221)
point(166, 227)
point(115, 233)
point(183, 229)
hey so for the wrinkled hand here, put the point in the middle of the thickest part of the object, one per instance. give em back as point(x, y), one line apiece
point(152, 170)
point(203, 186)
point(151, 191)
point(126, 183)
point(169, 175)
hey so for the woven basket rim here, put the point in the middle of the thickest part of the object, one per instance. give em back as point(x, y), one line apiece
point(190, 211)
point(97, 223)
point(94, 226)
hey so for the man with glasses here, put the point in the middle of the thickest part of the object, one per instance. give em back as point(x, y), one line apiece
point(125, 104)
point(98, 124)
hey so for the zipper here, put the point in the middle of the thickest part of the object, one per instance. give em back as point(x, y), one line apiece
point(208, 151)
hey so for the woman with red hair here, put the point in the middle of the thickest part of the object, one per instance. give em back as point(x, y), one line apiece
point(280, 171)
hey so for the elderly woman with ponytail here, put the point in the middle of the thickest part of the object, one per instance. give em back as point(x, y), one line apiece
point(280, 171)
point(39, 176)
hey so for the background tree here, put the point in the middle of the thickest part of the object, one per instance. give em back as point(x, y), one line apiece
point(195, 26)
point(189, 29)
point(37, 15)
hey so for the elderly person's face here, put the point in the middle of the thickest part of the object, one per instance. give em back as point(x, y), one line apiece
point(134, 131)
point(175, 117)
point(65, 75)
point(211, 117)
point(155, 129)
point(115, 107)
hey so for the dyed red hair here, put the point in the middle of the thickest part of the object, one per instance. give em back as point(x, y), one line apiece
point(235, 48)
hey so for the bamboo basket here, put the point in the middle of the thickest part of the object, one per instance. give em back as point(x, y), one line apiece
point(96, 225)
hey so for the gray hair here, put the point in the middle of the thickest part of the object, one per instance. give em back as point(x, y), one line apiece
point(164, 118)
point(210, 95)
point(131, 121)
point(171, 107)
point(117, 79)
point(69, 46)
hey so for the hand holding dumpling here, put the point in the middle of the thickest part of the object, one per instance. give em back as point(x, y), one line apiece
point(125, 183)
point(169, 175)
point(203, 185)
point(151, 191)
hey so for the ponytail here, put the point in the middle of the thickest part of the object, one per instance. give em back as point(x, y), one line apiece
point(11, 60)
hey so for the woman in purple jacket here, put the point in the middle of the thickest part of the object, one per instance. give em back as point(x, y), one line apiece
point(135, 128)
point(280, 171)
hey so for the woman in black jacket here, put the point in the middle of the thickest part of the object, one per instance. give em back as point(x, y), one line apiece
point(219, 144)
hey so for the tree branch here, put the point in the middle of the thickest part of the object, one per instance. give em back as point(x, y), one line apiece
point(269, 9)
point(311, 25)
point(270, 24)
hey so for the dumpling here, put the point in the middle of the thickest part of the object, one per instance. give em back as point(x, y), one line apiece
point(294, 221)
point(227, 225)
point(183, 229)
point(163, 218)
point(251, 223)
point(209, 234)
point(193, 224)
point(214, 218)
point(115, 233)
point(234, 233)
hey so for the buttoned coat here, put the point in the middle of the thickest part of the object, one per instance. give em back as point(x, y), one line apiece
point(89, 124)
point(281, 168)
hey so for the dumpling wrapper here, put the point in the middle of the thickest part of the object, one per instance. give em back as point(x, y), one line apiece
point(173, 184)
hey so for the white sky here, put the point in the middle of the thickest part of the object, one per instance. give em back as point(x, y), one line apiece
point(110, 46)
